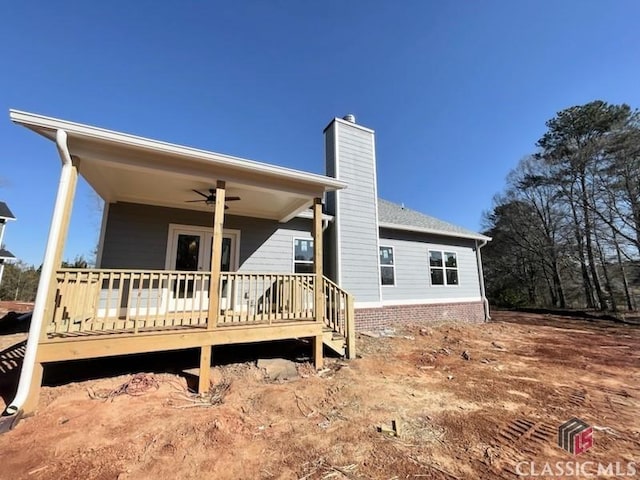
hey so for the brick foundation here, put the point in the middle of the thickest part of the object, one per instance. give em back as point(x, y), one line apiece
point(390, 316)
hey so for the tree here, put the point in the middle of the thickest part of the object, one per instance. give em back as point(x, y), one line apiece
point(19, 282)
point(575, 142)
point(566, 230)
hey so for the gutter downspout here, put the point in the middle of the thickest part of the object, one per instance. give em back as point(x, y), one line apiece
point(483, 294)
point(46, 276)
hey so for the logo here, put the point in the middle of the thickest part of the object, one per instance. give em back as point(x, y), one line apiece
point(575, 436)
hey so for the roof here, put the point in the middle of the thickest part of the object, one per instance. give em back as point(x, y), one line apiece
point(126, 168)
point(398, 217)
point(6, 254)
point(47, 127)
point(5, 213)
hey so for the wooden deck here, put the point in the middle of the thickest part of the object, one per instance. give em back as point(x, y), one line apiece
point(99, 312)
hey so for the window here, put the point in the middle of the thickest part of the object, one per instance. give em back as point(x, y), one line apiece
point(444, 268)
point(302, 255)
point(387, 269)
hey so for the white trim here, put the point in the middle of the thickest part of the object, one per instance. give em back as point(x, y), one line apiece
point(302, 206)
point(483, 294)
point(443, 268)
point(338, 237)
point(103, 231)
point(208, 234)
point(358, 305)
point(434, 231)
point(375, 200)
point(293, 252)
point(430, 301)
point(308, 214)
point(393, 266)
point(47, 126)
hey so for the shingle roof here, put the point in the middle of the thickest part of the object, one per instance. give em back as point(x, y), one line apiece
point(6, 254)
point(392, 215)
point(5, 212)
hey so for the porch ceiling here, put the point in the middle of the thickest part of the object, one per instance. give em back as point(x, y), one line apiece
point(122, 167)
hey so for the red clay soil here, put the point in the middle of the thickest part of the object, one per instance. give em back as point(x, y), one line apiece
point(458, 418)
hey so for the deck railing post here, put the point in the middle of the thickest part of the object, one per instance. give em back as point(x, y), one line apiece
point(350, 327)
point(317, 260)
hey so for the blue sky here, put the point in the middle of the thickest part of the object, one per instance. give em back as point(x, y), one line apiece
point(457, 91)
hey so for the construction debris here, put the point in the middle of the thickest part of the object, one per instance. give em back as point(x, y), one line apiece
point(394, 431)
point(278, 369)
point(139, 384)
point(215, 396)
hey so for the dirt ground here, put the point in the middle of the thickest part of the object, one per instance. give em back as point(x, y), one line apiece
point(457, 417)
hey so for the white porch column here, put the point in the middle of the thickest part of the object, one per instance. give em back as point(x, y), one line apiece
point(26, 398)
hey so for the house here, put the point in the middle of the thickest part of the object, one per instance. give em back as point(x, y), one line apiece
point(5, 255)
point(199, 249)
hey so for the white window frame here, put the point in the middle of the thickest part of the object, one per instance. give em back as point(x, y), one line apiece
point(208, 238)
point(443, 268)
point(293, 251)
point(386, 265)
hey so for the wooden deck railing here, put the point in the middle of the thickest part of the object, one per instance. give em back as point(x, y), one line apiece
point(91, 300)
point(101, 300)
point(265, 298)
point(340, 313)
point(95, 300)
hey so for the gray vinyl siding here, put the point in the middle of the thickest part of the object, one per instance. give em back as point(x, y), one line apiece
point(412, 276)
point(357, 215)
point(136, 237)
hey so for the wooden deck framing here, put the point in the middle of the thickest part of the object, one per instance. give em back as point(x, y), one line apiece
point(95, 346)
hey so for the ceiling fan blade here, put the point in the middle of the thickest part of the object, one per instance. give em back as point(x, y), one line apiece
point(200, 193)
point(192, 201)
point(231, 199)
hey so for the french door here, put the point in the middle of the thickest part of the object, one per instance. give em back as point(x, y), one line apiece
point(189, 249)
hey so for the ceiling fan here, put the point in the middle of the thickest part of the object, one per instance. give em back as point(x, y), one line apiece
point(211, 198)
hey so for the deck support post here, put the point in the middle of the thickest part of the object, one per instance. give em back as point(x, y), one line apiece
point(216, 257)
point(317, 260)
point(319, 279)
point(204, 380)
point(318, 345)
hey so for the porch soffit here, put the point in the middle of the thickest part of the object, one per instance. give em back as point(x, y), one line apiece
point(122, 167)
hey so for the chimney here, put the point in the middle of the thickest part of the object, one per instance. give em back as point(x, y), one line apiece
point(353, 238)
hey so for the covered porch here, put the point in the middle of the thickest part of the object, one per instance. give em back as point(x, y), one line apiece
point(199, 302)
